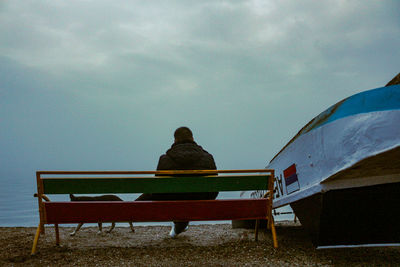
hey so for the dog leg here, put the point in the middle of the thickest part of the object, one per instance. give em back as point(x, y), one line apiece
point(76, 229)
point(131, 226)
point(111, 228)
point(100, 228)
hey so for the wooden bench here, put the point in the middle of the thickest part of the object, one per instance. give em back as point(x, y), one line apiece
point(123, 182)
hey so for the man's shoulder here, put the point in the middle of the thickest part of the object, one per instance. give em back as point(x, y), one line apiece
point(164, 157)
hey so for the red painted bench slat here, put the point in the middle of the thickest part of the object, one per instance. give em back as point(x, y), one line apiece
point(144, 211)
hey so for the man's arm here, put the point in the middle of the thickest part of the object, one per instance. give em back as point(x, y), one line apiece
point(212, 165)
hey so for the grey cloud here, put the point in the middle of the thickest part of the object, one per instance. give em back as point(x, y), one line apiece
point(114, 79)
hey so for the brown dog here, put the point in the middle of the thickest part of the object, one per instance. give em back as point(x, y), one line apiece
point(98, 198)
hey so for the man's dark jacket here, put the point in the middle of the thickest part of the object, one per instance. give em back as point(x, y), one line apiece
point(184, 156)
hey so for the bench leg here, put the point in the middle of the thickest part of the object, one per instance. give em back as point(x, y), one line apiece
point(57, 234)
point(256, 230)
point(273, 231)
point(35, 241)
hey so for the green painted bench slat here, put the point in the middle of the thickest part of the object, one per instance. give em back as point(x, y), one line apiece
point(154, 184)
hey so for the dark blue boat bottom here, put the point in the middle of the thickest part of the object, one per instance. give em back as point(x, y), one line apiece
point(355, 216)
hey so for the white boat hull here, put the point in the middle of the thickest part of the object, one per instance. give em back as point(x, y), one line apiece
point(333, 148)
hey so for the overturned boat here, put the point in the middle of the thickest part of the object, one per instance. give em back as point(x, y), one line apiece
point(341, 172)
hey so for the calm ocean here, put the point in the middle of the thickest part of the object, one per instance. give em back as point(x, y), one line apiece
point(18, 207)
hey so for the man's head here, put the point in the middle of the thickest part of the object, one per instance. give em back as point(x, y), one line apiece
point(183, 134)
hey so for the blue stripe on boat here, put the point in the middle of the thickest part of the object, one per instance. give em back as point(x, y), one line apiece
point(380, 99)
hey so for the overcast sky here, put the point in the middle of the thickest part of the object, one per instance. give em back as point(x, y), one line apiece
point(102, 85)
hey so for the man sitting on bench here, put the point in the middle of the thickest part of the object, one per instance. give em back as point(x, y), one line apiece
point(184, 154)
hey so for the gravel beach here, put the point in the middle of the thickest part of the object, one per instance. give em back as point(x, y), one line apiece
point(201, 245)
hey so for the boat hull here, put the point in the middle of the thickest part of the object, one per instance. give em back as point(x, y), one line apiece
point(353, 216)
point(341, 172)
point(320, 157)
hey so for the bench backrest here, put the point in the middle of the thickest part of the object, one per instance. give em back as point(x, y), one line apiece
point(134, 182)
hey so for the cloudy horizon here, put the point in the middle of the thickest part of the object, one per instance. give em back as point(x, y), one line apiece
point(89, 85)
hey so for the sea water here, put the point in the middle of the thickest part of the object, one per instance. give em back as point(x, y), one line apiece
point(19, 208)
